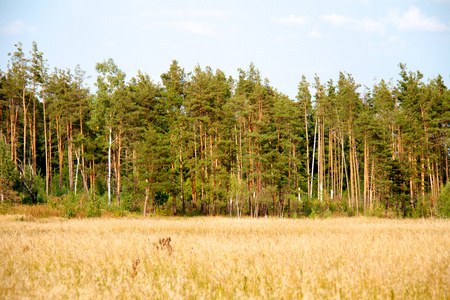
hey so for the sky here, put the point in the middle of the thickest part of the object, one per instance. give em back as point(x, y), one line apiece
point(284, 39)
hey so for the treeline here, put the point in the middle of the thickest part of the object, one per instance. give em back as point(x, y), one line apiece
point(203, 142)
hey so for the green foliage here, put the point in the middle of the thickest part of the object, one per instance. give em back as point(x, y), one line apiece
point(100, 185)
point(378, 210)
point(93, 207)
point(126, 201)
point(9, 177)
point(131, 198)
point(351, 212)
point(163, 210)
point(161, 198)
point(422, 208)
point(59, 191)
point(39, 182)
point(69, 206)
point(7, 168)
point(213, 139)
point(5, 208)
point(315, 208)
point(443, 206)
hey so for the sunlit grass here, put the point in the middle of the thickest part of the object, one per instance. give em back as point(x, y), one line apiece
point(357, 258)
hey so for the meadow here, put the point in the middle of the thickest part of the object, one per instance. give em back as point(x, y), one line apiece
point(218, 257)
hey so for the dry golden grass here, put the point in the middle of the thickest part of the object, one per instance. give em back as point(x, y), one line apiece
point(357, 258)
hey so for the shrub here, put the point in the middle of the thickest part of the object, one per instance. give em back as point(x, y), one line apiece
point(327, 213)
point(443, 204)
point(378, 210)
point(68, 206)
point(314, 208)
point(126, 201)
point(350, 212)
point(93, 207)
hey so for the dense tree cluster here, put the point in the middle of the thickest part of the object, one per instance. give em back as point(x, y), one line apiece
point(204, 142)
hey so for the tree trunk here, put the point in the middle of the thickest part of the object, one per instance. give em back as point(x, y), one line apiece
point(147, 195)
point(109, 166)
point(358, 178)
point(77, 154)
point(345, 168)
point(446, 163)
point(50, 173)
point(352, 171)
point(13, 111)
point(194, 173)
point(46, 148)
point(422, 176)
point(366, 171)
point(330, 176)
point(60, 150)
point(83, 163)
point(24, 162)
point(119, 166)
point(70, 153)
point(307, 152)
point(135, 172)
point(314, 153)
point(204, 174)
point(193, 190)
point(182, 182)
point(174, 196)
point(33, 143)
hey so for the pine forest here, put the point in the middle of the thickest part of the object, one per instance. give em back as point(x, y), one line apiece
point(200, 142)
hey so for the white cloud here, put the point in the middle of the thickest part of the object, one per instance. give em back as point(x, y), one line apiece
point(17, 27)
point(315, 34)
point(200, 28)
point(197, 28)
point(195, 21)
point(291, 19)
point(193, 14)
point(413, 19)
point(368, 25)
point(336, 20)
point(393, 39)
point(372, 26)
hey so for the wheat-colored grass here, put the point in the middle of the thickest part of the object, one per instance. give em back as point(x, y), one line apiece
point(357, 258)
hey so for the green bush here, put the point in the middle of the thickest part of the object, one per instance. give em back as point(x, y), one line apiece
point(443, 204)
point(378, 210)
point(131, 198)
point(40, 188)
point(93, 207)
point(126, 201)
point(313, 213)
point(314, 208)
point(5, 207)
point(69, 206)
point(100, 185)
point(326, 214)
point(351, 212)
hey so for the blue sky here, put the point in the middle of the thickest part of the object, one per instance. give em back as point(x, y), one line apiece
point(284, 39)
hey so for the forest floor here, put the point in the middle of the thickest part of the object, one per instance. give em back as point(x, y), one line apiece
point(218, 257)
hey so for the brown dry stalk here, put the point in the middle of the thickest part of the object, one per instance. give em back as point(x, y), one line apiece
point(134, 266)
point(164, 244)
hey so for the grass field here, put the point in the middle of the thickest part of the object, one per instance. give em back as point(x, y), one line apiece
point(358, 258)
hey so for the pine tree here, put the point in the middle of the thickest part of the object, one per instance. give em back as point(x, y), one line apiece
point(106, 106)
point(304, 100)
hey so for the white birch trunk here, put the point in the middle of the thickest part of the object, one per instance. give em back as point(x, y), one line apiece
point(314, 152)
point(77, 153)
point(109, 167)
